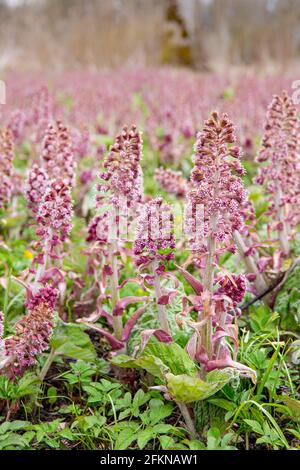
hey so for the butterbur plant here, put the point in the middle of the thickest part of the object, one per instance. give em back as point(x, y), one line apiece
point(172, 181)
point(32, 333)
point(37, 183)
point(154, 245)
point(280, 170)
point(54, 218)
point(216, 185)
point(57, 153)
point(120, 191)
point(6, 167)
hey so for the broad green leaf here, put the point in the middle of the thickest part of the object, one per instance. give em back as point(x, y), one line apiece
point(187, 389)
point(173, 356)
point(151, 364)
point(144, 436)
point(213, 438)
point(255, 426)
point(72, 341)
point(125, 438)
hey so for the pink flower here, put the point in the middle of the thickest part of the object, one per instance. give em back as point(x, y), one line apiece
point(281, 173)
point(6, 166)
point(55, 214)
point(172, 181)
point(154, 234)
point(57, 153)
point(122, 179)
point(233, 287)
point(32, 333)
point(98, 229)
point(216, 183)
point(37, 183)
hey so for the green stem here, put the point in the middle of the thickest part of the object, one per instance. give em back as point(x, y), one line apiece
point(187, 418)
point(5, 303)
point(208, 284)
point(47, 365)
point(161, 311)
point(117, 320)
point(250, 262)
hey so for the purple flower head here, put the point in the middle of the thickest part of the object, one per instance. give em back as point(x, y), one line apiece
point(6, 166)
point(122, 179)
point(154, 233)
point(45, 295)
point(98, 229)
point(216, 183)
point(233, 287)
point(172, 181)
point(81, 141)
point(32, 333)
point(57, 153)
point(280, 155)
point(37, 183)
point(55, 214)
point(17, 125)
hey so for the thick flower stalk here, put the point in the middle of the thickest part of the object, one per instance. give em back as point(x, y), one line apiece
point(281, 173)
point(216, 187)
point(154, 245)
point(6, 167)
point(172, 181)
point(54, 218)
point(32, 333)
point(57, 153)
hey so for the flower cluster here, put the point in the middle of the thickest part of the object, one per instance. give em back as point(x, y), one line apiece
point(154, 233)
point(122, 178)
point(37, 183)
point(6, 166)
point(17, 125)
point(57, 153)
point(98, 229)
point(54, 215)
point(280, 150)
point(216, 183)
point(40, 113)
point(32, 333)
point(172, 181)
point(233, 287)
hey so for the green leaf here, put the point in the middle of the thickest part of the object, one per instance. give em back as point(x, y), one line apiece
point(213, 438)
point(52, 395)
point(175, 358)
point(293, 406)
point(125, 438)
point(153, 365)
point(144, 436)
point(70, 340)
point(13, 426)
point(255, 426)
point(166, 442)
point(188, 389)
point(162, 428)
point(140, 398)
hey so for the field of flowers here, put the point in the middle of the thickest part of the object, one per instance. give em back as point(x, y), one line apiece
point(149, 261)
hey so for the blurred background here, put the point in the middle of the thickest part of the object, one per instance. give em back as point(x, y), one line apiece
point(207, 35)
